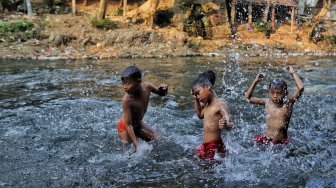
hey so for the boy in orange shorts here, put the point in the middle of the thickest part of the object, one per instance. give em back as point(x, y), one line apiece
point(216, 115)
point(134, 103)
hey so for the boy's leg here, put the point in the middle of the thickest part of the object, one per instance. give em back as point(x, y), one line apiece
point(146, 133)
point(124, 137)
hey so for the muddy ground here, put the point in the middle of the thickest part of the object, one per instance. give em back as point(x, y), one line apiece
point(68, 36)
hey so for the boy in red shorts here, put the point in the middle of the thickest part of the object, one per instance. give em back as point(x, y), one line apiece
point(279, 111)
point(216, 115)
point(134, 103)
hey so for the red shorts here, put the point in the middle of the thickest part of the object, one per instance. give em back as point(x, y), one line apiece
point(121, 125)
point(208, 150)
point(262, 139)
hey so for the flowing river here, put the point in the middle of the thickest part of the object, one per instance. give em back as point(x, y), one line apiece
point(58, 123)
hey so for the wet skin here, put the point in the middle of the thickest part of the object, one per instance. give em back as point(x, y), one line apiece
point(278, 111)
point(135, 104)
point(216, 113)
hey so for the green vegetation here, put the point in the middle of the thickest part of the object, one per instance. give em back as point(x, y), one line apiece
point(103, 24)
point(117, 12)
point(14, 27)
point(331, 39)
point(19, 31)
point(261, 26)
point(185, 4)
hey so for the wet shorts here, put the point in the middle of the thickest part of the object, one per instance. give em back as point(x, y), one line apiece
point(121, 125)
point(208, 150)
point(262, 139)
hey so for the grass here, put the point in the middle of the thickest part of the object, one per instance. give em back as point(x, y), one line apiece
point(15, 27)
point(103, 24)
point(261, 26)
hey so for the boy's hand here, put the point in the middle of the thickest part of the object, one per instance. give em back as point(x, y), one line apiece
point(192, 93)
point(291, 70)
point(259, 77)
point(163, 88)
point(224, 123)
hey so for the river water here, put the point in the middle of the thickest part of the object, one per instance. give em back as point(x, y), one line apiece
point(58, 125)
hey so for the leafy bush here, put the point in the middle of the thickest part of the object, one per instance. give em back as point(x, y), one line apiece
point(185, 4)
point(14, 27)
point(331, 39)
point(103, 24)
point(117, 12)
point(261, 26)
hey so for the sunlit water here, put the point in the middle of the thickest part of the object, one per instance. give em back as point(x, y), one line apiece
point(58, 125)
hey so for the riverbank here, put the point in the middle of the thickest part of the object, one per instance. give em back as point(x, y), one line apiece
point(70, 36)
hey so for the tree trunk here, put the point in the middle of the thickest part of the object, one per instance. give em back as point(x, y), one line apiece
point(29, 8)
point(124, 8)
point(325, 9)
point(85, 2)
point(273, 18)
point(225, 10)
point(250, 13)
point(268, 4)
point(121, 3)
point(73, 6)
point(233, 12)
point(292, 19)
point(102, 9)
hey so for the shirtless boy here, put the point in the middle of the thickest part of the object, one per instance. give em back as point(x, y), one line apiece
point(279, 111)
point(134, 104)
point(216, 115)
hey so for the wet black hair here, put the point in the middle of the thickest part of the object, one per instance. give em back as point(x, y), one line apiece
point(201, 82)
point(210, 75)
point(278, 83)
point(131, 72)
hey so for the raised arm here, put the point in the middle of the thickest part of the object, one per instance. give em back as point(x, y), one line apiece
point(226, 120)
point(248, 95)
point(198, 107)
point(128, 121)
point(299, 86)
point(162, 90)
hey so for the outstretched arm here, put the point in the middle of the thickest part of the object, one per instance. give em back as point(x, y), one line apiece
point(162, 90)
point(226, 120)
point(128, 121)
point(248, 95)
point(299, 86)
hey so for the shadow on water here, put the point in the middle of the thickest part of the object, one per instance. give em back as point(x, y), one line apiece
point(58, 125)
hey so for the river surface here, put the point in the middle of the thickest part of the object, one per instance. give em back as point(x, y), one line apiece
point(58, 123)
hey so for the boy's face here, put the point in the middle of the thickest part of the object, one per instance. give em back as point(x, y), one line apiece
point(277, 94)
point(131, 86)
point(202, 93)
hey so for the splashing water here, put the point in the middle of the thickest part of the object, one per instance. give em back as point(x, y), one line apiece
point(58, 125)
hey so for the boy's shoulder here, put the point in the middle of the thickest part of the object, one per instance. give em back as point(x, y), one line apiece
point(218, 103)
point(125, 98)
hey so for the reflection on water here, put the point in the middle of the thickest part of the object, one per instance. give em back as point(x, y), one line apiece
point(58, 125)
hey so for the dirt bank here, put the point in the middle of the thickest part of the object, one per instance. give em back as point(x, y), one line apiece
point(72, 37)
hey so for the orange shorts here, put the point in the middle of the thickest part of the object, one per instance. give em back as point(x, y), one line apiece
point(121, 125)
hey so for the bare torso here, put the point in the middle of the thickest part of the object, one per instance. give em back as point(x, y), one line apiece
point(277, 120)
point(212, 115)
point(138, 105)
